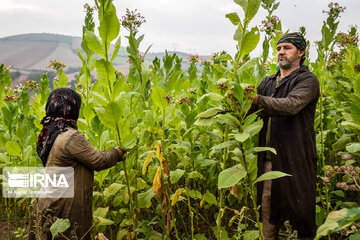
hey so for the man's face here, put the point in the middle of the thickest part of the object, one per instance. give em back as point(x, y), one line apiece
point(288, 55)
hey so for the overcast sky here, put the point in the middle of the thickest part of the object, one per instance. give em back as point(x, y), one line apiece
point(193, 26)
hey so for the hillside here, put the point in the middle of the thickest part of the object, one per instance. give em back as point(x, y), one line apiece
point(30, 54)
point(34, 51)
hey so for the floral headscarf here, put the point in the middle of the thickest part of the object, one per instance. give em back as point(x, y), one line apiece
point(62, 111)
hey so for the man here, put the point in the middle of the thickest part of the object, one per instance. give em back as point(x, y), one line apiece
point(288, 102)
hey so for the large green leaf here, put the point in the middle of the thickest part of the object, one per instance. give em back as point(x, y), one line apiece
point(116, 49)
point(337, 220)
point(59, 226)
point(341, 143)
point(209, 113)
point(112, 115)
point(231, 176)
point(355, 236)
point(238, 93)
point(250, 41)
point(210, 198)
point(243, 4)
point(176, 175)
point(195, 175)
point(158, 96)
point(205, 121)
point(326, 36)
point(227, 118)
point(271, 175)
point(103, 221)
point(248, 65)
point(62, 79)
point(242, 137)
point(145, 197)
point(353, 148)
point(254, 128)
point(355, 108)
point(101, 212)
point(234, 18)
point(105, 73)
point(351, 124)
point(212, 96)
point(94, 43)
point(238, 35)
point(252, 9)
point(100, 100)
point(113, 189)
point(260, 149)
point(13, 148)
point(251, 234)
point(225, 145)
point(109, 26)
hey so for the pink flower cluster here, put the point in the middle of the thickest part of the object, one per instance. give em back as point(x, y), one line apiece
point(335, 9)
point(194, 58)
point(132, 20)
point(90, 9)
point(56, 65)
point(269, 25)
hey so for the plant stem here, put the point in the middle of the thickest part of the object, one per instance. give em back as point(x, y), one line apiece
point(252, 195)
point(223, 167)
point(126, 177)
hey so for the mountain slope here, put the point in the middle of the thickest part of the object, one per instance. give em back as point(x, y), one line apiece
point(34, 51)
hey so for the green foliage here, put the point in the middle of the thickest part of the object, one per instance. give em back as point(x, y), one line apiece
point(231, 176)
point(59, 226)
point(338, 220)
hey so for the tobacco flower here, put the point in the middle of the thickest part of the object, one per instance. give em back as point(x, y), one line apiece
point(132, 20)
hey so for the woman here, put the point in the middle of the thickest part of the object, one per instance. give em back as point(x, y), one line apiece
point(61, 145)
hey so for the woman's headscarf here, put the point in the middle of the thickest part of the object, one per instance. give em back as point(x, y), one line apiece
point(62, 111)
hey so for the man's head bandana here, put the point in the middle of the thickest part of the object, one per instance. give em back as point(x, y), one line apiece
point(294, 38)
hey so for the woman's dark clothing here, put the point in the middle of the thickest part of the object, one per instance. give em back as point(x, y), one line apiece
point(61, 145)
point(72, 149)
point(290, 106)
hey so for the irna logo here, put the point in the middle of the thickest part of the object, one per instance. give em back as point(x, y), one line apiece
point(37, 180)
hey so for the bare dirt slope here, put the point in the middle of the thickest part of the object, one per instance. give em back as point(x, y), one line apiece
point(34, 51)
point(24, 54)
point(62, 53)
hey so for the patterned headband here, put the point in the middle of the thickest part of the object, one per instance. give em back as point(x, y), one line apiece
point(294, 38)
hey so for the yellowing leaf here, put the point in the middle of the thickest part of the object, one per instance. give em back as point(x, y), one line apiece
point(157, 180)
point(202, 202)
point(159, 131)
point(176, 196)
point(234, 191)
point(146, 163)
point(103, 220)
point(158, 151)
point(165, 166)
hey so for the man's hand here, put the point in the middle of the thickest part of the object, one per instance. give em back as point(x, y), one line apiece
point(121, 153)
point(255, 100)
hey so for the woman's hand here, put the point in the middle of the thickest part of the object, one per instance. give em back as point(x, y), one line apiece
point(121, 153)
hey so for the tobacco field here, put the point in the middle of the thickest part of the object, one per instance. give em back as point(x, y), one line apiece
point(191, 164)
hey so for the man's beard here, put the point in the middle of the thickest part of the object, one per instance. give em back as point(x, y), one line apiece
point(285, 64)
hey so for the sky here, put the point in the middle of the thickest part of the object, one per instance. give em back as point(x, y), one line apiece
point(193, 26)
